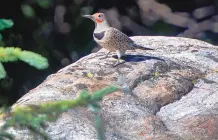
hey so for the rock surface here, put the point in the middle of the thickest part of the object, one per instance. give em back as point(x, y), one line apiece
point(170, 93)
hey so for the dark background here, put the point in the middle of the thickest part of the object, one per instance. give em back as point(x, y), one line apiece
point(57, 31)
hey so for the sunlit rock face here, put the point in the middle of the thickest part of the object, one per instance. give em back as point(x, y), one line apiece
point(169, 93)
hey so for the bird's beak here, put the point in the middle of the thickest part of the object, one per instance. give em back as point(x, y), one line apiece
point(88, 16)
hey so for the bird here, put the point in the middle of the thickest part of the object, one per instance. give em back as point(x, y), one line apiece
point(111, 38)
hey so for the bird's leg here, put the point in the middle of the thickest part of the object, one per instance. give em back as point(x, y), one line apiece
point(119, 55)
point(104, 57)
point(107, 54)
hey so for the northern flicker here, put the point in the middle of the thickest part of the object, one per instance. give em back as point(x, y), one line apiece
point(110, 38)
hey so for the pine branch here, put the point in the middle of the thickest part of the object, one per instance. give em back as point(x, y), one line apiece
point(34, 59)
point(34, 116)
point(4, 135)
point(5, 23)
point(2, 71)
point(83, 100)
point(11, 54)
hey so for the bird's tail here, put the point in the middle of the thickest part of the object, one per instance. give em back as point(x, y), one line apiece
point(141, 47)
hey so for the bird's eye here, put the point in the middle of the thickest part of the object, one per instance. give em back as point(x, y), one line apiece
point(99, 16)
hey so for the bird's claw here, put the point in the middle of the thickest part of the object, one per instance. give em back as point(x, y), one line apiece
point(118, 62)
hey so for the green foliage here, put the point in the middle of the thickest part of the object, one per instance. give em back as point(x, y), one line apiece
point(2, 71)
point(33, 117)
point(99, 127)
point(28, 11)
point(5, 23)
point(98, 95)
point(11, 54)
point(34, 59)
point(44, 3)
point(5, 135)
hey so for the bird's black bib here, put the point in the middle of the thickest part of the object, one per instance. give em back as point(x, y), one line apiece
point(99, 36)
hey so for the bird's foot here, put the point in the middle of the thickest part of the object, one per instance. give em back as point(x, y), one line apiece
point(119, 61)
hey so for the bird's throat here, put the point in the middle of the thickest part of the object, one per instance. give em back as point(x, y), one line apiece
point(100, 27)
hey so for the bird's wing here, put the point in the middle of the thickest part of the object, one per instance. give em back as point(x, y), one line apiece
point(116, 34)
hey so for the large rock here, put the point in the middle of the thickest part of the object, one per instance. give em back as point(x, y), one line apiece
point(170, 93)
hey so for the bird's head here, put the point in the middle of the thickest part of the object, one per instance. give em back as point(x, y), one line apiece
point(98, 18)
